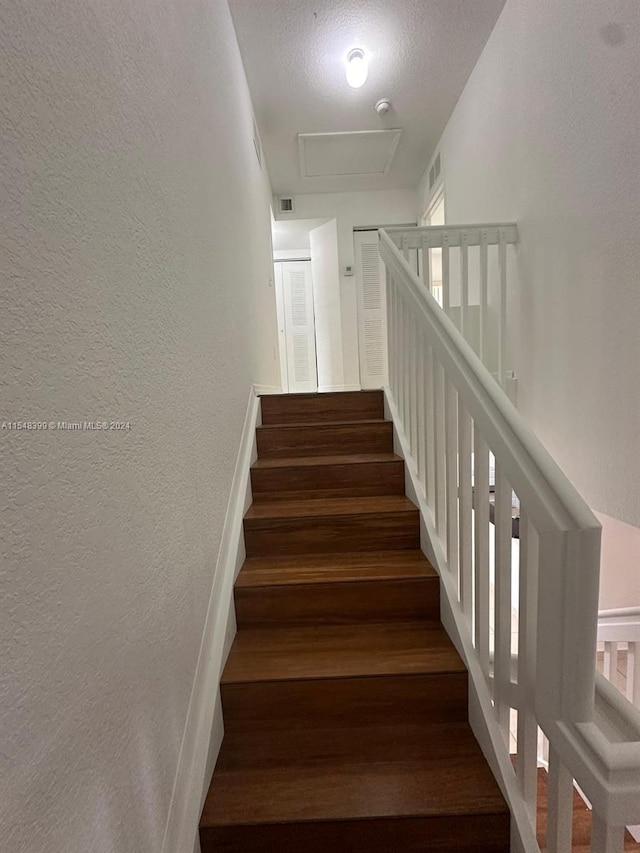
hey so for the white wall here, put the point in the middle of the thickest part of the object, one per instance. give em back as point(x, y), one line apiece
point(546, 133)
point(135, 264)
point(325, 266)
point(384, 207)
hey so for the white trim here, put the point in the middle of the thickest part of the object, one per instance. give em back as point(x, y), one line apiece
point(325, 389)
point(266, 389)
point(203, 729)
point(481, 714)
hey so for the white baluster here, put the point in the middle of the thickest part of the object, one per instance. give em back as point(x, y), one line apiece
point(465, 513)
point(464, 296)
point(426, 263)
point(559, 806)
point(481, 550)
point(484, 294)
point(610, 669)
point(446, 289)
point(604, 837)
point(526, 767)
point(502, 620)
point(633, 673)
point(390, 331)
point(451, 468)
point(422, 425)
point(430, 428)
point(413, 388)
point(502, 324)
point(438, 408)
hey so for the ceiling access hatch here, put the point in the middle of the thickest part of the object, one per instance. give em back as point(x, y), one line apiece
point(358, 152)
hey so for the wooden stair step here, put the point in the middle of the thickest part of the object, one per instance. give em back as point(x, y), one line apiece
point(331, 525)
point(342, 651)
point(333, 406)
point(339, 597)
point(329, 568)
point(347, 702)
point(325, 439)
point(327, 476)
point(359, 780)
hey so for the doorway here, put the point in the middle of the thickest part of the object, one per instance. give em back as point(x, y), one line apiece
point(296, 325)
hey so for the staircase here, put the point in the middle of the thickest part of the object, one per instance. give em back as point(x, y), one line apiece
point(345, 703)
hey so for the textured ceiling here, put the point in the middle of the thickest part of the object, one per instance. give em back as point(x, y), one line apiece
point(421, 55)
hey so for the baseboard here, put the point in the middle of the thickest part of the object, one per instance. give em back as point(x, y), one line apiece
point(326, 389)
point(267, 389)
point(481, 717)
point(203, 729)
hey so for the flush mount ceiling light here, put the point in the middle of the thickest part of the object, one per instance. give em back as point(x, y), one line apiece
point(357, 68)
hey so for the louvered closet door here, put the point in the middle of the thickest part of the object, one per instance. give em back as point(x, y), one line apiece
point(297, 290)
point(372, 310)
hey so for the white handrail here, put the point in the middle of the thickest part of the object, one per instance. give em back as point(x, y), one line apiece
point(451, 411)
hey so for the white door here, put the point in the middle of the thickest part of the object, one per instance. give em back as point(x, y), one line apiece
point(297, 300)
point(372, 310)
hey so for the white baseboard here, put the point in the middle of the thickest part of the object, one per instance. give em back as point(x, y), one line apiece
point(267, 389)
point(325, 389)
point(203, 729)
point(481, 717)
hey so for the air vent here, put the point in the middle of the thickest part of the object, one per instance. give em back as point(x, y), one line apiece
point(434, 172)
point(256, 143)
point(285, 204)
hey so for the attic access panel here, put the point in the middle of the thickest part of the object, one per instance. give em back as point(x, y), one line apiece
point(359, 152)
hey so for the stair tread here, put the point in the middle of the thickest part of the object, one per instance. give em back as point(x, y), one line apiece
point(350, 774)
point(340, 651)
point(320, 425)
point(309, 461)
point(324, 507)
point(334, 568)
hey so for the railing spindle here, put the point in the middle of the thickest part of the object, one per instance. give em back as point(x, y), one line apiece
point(464, 295)
point(502, 620)
point(502, 324)
point(446, 289)
point(484, 293)
point(560, 806)
point(465, 522)
point(527, 615)
point(605, 838)
point(430, 420)
point(426, 263)
point(422, 424)
point(481, 549)
point(438, 411)
point(451, 467)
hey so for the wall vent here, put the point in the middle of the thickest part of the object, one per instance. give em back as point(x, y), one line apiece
point(256, 142)
point(285, 204)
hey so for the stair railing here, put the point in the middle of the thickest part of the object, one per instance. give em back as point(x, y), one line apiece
point(454, 424)
point(619, 632)
point(473, 281)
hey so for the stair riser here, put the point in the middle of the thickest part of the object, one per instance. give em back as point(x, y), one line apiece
point(329, 440)
point(460, 833)
point(334, 534)
point(325, 702)
point(328, 481)
point(322, 408)
point(338, 603)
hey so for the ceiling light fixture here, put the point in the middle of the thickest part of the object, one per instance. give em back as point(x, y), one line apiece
point(357, 68)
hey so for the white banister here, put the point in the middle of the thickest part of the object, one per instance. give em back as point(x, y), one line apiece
point(534, 656)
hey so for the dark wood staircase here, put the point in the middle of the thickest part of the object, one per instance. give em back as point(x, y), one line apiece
point(345, 702)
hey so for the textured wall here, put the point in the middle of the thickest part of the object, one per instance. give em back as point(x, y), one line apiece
point(135, 256)
point(546, 133)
